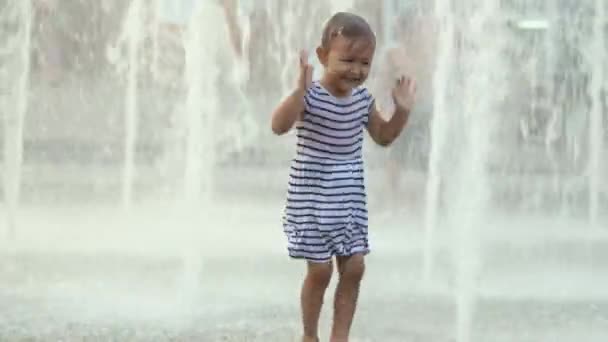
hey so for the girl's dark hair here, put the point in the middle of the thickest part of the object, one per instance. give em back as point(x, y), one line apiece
point(348, 25)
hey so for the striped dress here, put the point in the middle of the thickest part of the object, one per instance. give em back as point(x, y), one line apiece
point(326, 212)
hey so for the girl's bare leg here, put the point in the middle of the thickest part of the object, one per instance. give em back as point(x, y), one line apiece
point(313, 290)
point(351, 271)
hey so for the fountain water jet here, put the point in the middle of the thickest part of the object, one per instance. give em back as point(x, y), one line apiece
point(157, 10)
point(596, 56)
point(202, 50)
point(439, 131)
point(18, 50)
point(194, 108)
point(462, 130)
point(468, 201)
point(134, 32)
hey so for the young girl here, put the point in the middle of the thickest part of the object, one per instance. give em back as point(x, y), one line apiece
point(326, 215)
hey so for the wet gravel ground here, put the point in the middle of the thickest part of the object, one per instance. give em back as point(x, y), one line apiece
point(93, 275)
point(111, 297)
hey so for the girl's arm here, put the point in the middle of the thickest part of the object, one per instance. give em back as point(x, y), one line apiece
point(384, 132)
point(292, 107)
point(288, 112)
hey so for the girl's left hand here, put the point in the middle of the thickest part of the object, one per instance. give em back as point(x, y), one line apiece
point(404, 94)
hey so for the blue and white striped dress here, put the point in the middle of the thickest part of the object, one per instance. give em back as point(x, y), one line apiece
point(326, 211)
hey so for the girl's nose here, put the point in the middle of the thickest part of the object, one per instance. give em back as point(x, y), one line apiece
point(356, 71)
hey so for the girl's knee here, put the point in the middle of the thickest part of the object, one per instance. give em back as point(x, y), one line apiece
point(320, 273)
point(352, 268)
point(354, 273)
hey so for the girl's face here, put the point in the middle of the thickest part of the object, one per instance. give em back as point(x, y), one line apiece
point(347, 63)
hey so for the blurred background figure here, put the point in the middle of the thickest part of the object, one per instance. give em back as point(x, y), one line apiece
point(51, 42)
point(408, 48)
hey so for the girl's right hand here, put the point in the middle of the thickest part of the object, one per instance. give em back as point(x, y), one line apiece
point(306, 70)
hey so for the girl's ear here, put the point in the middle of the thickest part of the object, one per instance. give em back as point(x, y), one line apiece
point(322, 54)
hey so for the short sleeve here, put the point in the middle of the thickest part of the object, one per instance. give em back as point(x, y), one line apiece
point(309, 93)
point(370, 100)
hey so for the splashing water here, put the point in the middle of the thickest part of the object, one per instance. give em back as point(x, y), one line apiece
point(149, 189)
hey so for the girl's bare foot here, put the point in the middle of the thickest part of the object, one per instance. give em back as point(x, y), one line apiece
point(310, 339)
